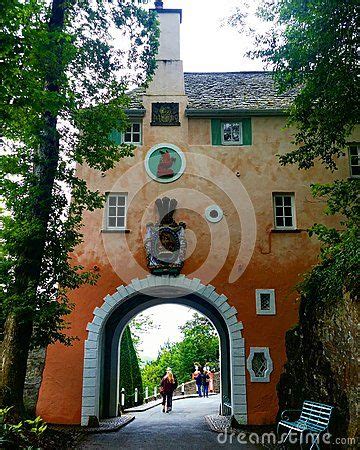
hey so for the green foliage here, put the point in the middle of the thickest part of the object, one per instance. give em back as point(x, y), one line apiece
point(339, 265)
point(312, 46)
point(200, 344)
point(319, 55)
point(130, 375)
point(139, 326)
point(63, 90)
point(22, 433)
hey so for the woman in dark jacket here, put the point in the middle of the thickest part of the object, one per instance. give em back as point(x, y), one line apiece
point(167, 388)
point(205, 383)
point(198, 381)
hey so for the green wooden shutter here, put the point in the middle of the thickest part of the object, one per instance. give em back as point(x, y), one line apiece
point(247, 131)
point(216, 131)
point(116, 137)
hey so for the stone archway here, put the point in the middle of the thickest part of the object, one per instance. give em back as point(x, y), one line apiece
point(182, 290)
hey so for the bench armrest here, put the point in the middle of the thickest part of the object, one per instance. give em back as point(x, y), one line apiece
point(284, 414)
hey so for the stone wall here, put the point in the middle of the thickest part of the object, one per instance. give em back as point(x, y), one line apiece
point(33, 379)
point(35, 367)
point(322, 362)
point(190, 388)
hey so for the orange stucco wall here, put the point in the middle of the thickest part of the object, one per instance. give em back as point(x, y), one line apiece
point(276, 263)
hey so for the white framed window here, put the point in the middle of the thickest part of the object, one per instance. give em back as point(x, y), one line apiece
point(133, 133)
point(231, 133)
point(116, 206)
point(265, 302)
point(284, 211)
point(259, 364)
point(354, 160)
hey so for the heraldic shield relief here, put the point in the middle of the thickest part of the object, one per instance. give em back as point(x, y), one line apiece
point(165, 242)
point(165, 163)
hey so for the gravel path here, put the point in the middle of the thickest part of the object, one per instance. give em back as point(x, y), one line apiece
point(184, 428)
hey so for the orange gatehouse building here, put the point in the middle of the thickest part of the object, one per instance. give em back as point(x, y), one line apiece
point(203, 215)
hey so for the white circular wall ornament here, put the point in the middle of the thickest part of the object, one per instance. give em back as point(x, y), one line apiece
point(214, 213)
point(165, 163)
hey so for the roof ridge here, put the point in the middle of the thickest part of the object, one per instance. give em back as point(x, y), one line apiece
point(233, 73)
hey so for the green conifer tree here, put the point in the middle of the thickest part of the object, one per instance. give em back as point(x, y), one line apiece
point(130, 374)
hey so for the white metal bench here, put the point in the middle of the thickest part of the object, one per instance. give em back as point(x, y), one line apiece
point(314, 419)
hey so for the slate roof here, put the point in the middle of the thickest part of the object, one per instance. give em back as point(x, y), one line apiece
point(136, 98)
point(234, 90)
point(246, 91)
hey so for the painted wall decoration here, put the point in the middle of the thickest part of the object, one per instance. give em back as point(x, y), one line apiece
point(165, 242)
point(214, 213)
point(165, 114)
point(165, 163)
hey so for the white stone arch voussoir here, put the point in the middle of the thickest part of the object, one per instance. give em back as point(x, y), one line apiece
point(182, 286)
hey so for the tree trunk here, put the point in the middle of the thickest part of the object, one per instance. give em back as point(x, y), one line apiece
point(19, 323)
point(15, 354)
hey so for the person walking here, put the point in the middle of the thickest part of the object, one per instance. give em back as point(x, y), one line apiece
point(211, 383)
point(198, 381)
point(167, 388)
point(205, 377)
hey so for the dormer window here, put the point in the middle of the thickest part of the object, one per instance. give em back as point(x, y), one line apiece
point(231, 133)
point(133, 134)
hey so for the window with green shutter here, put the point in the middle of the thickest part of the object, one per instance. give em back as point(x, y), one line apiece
point(231, 131)
point(132, 135)
point(116, 137)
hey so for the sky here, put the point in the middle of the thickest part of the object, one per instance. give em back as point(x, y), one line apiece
point(206, 46)
point(168, 318)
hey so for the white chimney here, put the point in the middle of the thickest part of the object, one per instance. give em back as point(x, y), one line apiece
point(169, 76)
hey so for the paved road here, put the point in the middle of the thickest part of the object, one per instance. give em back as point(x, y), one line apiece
point(183, 428)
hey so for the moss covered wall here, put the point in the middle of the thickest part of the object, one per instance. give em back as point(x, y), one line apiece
point(322, 362)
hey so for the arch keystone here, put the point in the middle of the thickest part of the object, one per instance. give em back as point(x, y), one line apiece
point(151, 281)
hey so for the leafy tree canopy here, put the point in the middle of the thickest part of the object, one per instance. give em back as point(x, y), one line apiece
point(200, 344)
point(312, 46)
point(65, 69)
point(139, 327)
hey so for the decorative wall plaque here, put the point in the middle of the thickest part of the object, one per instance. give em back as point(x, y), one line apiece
point(165, 242)
point(214, 213)
point(165, 115)
point(165, 163)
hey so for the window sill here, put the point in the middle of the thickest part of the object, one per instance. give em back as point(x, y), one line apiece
point(296, 230)
point(115, 231)
point(230, 145)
